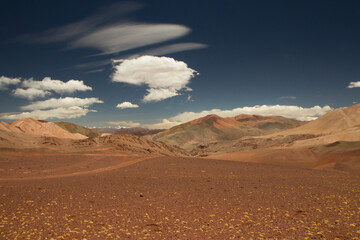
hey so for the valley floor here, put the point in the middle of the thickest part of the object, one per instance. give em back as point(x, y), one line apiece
point(116, 196)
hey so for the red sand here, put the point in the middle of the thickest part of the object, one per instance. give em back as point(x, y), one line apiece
point(171, 198)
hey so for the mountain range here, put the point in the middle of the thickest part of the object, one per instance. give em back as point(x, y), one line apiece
point(331, 141)
point(213, 128)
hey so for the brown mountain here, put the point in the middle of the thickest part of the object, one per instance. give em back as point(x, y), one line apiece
point(335, 121)
point(128, 144)
point(213, 128)
point(40, 128)
point(33, 135)
point(338, 125)
point(330, 142)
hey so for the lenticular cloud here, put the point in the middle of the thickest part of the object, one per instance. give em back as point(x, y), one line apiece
point(164, 76)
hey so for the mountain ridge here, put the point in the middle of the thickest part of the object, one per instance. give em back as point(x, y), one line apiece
point(215, 128)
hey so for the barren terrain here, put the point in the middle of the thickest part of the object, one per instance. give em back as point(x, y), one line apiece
point(109, 196)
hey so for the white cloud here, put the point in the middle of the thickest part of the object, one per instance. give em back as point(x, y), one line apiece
point(158, 94)
point(57, 86)
point(164, 76)
point(130, 35)
point(62, 108)
point(5, 82)
point(61, 103)
point(60, 113)
point(124, 105)
point(125, 124)
point(30, 93)
point(294, 112)
point(354, 84)
point(32, 89)
point(164, 124)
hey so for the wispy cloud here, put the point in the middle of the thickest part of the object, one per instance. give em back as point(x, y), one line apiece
point(103, 16)
point(95, 71)
point(164, 76)
point(354, 84)
point(108, 32)
point(287, 98)
point(124, 105)
point(6, 81)
point(126, 36)
point(124, 124)
point(93, 64)
point(60, 113)
point(173, 48)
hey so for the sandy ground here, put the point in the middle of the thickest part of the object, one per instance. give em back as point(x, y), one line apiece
point(114, 196)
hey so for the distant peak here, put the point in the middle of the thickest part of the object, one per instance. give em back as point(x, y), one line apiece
point(25, 120)
point(203, 119)
point(211, 116)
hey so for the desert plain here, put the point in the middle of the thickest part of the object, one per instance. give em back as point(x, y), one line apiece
point(115, 196)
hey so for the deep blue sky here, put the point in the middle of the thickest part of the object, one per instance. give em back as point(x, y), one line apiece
point(301, 53)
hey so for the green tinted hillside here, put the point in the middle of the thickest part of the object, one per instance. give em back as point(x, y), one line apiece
point(73, 128)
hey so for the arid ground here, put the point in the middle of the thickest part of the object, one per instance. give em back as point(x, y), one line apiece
point(117, 196)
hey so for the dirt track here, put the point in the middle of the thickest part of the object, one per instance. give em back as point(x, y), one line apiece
point(174, 198)
point(78, 169)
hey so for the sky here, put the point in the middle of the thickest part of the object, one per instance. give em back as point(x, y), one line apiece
point(159, 63)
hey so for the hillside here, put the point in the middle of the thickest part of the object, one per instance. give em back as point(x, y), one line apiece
point(73, 128)
point(330, 142)
point(334, 121)
point(213, 128)
point(129, 144)
point(40, 128)
point(338, 125)
point(126, 143)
